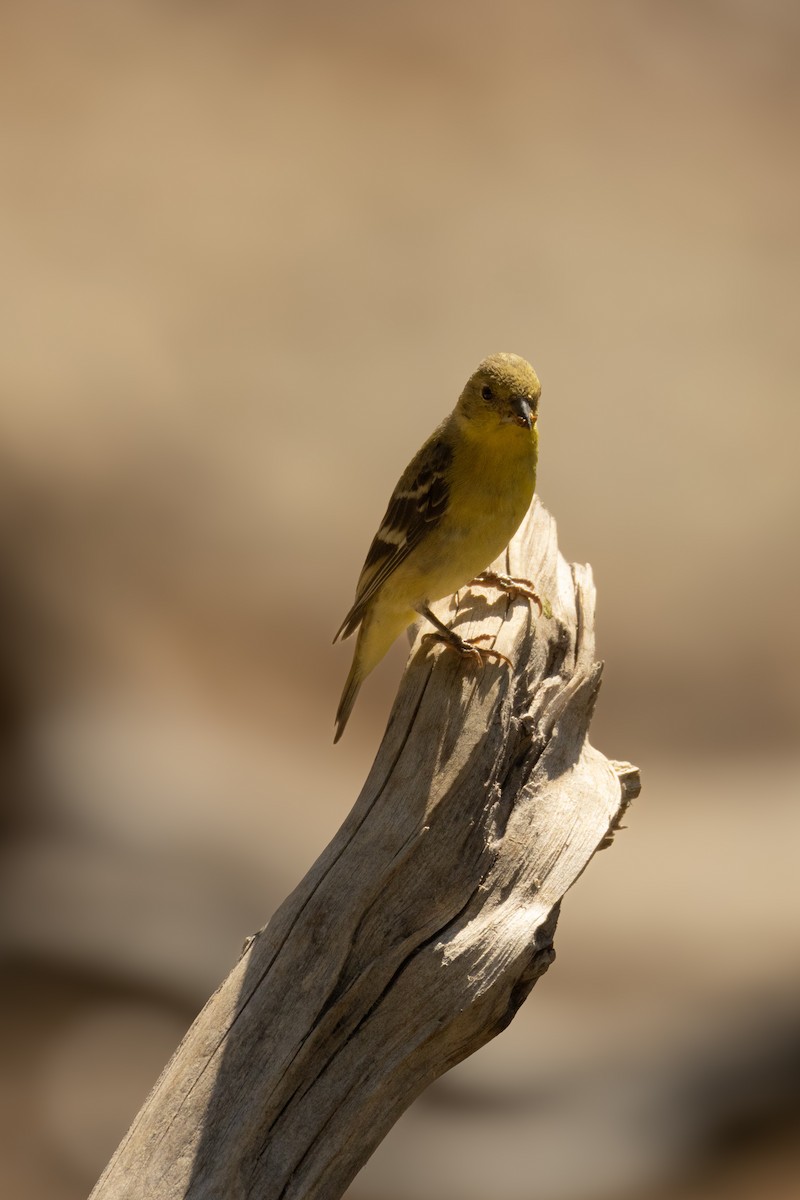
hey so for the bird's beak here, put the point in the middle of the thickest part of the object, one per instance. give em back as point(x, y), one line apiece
point(523, 413)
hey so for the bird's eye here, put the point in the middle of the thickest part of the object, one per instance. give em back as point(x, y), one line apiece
point(487, 393)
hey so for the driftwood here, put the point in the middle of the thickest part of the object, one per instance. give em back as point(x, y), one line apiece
point(421, 928)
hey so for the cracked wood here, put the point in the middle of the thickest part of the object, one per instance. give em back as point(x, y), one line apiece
point(422, 926)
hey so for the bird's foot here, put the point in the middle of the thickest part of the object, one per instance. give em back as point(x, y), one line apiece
point(513, 587)
point(467, 649)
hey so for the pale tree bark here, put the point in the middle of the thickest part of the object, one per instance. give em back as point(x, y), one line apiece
point(421, 928)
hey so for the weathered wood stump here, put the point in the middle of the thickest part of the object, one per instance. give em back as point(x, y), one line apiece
point(423, 925)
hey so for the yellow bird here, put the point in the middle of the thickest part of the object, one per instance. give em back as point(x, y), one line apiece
point(455, 508)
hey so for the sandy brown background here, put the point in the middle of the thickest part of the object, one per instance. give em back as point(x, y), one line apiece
point(249, 255)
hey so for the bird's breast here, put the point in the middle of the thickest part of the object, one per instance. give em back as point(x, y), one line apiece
point(487, 502)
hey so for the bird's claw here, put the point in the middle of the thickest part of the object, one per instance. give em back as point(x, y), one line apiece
point(489, 651)
point(513, 587)
point(468, 649)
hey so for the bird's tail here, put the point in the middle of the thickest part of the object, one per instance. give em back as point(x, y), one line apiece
point(354, 681)
point(378, 631)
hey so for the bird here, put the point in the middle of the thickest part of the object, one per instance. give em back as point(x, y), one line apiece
point(453, 511)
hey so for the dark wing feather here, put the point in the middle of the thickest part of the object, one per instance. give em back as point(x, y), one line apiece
point(417, 505)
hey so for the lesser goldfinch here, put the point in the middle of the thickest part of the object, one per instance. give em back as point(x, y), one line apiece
point(455, 508)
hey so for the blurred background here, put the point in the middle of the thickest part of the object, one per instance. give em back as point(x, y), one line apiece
point(250, 254)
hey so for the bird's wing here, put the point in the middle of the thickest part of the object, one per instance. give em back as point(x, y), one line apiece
point(417, 505)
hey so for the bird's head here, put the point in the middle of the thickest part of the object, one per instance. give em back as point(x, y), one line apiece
point(504, 390)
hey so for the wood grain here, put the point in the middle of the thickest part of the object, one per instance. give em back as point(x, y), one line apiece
point(423, 925)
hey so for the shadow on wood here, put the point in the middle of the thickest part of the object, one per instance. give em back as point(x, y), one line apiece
point(421, 928)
